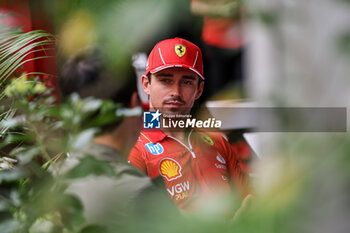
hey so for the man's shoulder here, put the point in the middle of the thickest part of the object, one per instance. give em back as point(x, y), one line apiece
point(152, 136)
point(118, 179)
point(93, 150)
point(107, 199)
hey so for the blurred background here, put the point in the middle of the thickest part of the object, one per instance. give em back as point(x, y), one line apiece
point(288, 54)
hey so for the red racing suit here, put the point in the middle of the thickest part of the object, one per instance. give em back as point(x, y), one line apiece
point(193, 173)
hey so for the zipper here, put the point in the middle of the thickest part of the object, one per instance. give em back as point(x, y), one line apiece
point(189, 143)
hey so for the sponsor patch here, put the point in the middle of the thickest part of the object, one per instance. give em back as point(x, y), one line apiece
point(179, 189)
point(155, 149)
point(170, 169)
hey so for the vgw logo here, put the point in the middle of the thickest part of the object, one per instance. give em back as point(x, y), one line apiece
point(151, 120)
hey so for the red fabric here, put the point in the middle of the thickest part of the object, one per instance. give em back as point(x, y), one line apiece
point(244, 155)
point(222, 33)
point(214, 168)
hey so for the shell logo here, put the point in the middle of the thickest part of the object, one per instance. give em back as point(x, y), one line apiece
point(170, 169)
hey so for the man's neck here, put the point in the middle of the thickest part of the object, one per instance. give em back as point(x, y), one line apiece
point(122, 138)
point(108, 139)
point(179, 134)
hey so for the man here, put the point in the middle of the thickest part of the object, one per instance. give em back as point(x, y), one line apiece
point(85, 73)
point(111, 201)
point(199, 169)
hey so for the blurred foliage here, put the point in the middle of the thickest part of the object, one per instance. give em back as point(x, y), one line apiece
point(15, 46)
point(39, 134)
point(121, 27)
point(346, 1)
point(46, 123)
point(303, 187)
point(33, 200)
point(343, 43)
point(267, 17)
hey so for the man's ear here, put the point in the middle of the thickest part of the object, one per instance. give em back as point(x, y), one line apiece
point(200, 89)
point(145, 84)
point(134, 100)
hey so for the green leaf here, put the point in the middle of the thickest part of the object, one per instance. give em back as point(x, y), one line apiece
point(16, 45)
point(10, 226)
point(7, 163)
point(15, 138)
point(84, 138)
point(94, 229)
point(109, 106)
point(343, 43)
point(102, 120)
point(89, 165)
point(26, 156)
point(41, 226)
point(10, 123)
point(71, 210)
point(106, 115)
point(91, 104)
point(8, 114)
point(8, 176)
point(54, 111)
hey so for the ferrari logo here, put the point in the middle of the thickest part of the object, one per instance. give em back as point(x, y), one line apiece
point(207, 139)
point(180, 50)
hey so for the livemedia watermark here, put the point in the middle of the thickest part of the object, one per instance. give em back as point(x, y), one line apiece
point(274, 119)
point(157, 120)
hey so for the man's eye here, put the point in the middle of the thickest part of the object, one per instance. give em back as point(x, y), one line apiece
point(188, 82)
point(165, 80)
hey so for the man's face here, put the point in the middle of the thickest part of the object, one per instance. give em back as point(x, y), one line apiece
point(173, 90)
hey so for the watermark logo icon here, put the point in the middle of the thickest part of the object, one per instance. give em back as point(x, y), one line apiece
point(151, 120)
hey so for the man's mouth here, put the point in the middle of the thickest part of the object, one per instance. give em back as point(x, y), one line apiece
point(173, 104)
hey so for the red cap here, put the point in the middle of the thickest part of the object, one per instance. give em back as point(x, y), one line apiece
point(175, 52)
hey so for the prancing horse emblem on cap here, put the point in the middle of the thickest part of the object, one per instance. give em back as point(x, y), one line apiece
point(180, 50)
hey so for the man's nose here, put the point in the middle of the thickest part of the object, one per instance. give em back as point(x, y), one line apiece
point(176, 90)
